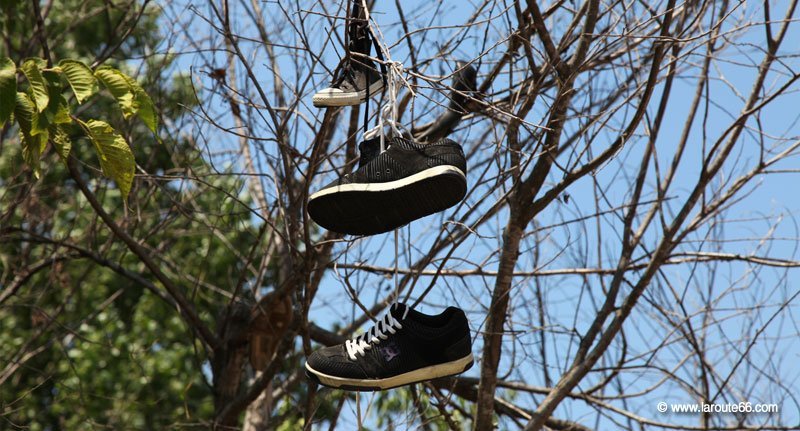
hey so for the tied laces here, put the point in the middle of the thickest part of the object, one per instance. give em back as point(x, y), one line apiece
point(388, 114)
point(381, 330)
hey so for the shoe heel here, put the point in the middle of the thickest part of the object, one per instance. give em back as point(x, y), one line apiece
point(441, 192)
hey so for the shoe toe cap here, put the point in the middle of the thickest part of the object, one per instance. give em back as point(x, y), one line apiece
point(333, 361)
point(328, 92)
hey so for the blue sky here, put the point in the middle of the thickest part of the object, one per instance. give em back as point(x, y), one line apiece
point(768, 207)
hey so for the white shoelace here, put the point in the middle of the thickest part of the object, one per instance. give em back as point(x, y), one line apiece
point(387, 117)
point(381, 331)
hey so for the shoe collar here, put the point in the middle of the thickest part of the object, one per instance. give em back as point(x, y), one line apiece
point(399, 311)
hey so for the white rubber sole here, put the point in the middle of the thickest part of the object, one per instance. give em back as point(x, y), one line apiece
point(373, 208)
point(326, 99)
point(391, 185)
point(428, 373)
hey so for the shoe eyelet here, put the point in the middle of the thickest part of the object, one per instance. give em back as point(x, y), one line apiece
point(388, 172)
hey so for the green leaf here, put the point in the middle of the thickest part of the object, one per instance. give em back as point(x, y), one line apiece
point(33, 144)
point(129, 94)
point(32, 70)
point(62, 114)
point(116, 157)
point(8, 89)
point(143, 104)
point(57, 111)
point(80, 79)
point(39, 121)
point(61, 140)
point(25, 111)
point(119, 87)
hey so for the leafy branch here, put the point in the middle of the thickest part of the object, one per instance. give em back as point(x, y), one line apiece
point(44, 115)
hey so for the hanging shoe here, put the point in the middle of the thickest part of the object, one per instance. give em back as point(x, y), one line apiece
point(406, 182)
point(355, 81)
point(404, 347)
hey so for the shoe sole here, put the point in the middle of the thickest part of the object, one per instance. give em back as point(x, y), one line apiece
point(373, 208)
point(423, 374)
point(346, 99)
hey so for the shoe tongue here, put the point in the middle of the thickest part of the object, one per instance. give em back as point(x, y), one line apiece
point(369, 149)
point(399, 311)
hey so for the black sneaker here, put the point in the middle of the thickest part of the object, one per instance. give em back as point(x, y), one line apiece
point(406, 182)
point(404, 347)
point(349, 87)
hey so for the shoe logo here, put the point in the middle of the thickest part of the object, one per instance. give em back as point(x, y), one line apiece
point(390, 351)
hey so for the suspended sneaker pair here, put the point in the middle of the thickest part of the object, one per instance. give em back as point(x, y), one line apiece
point(404, 347)
point(389, 189)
